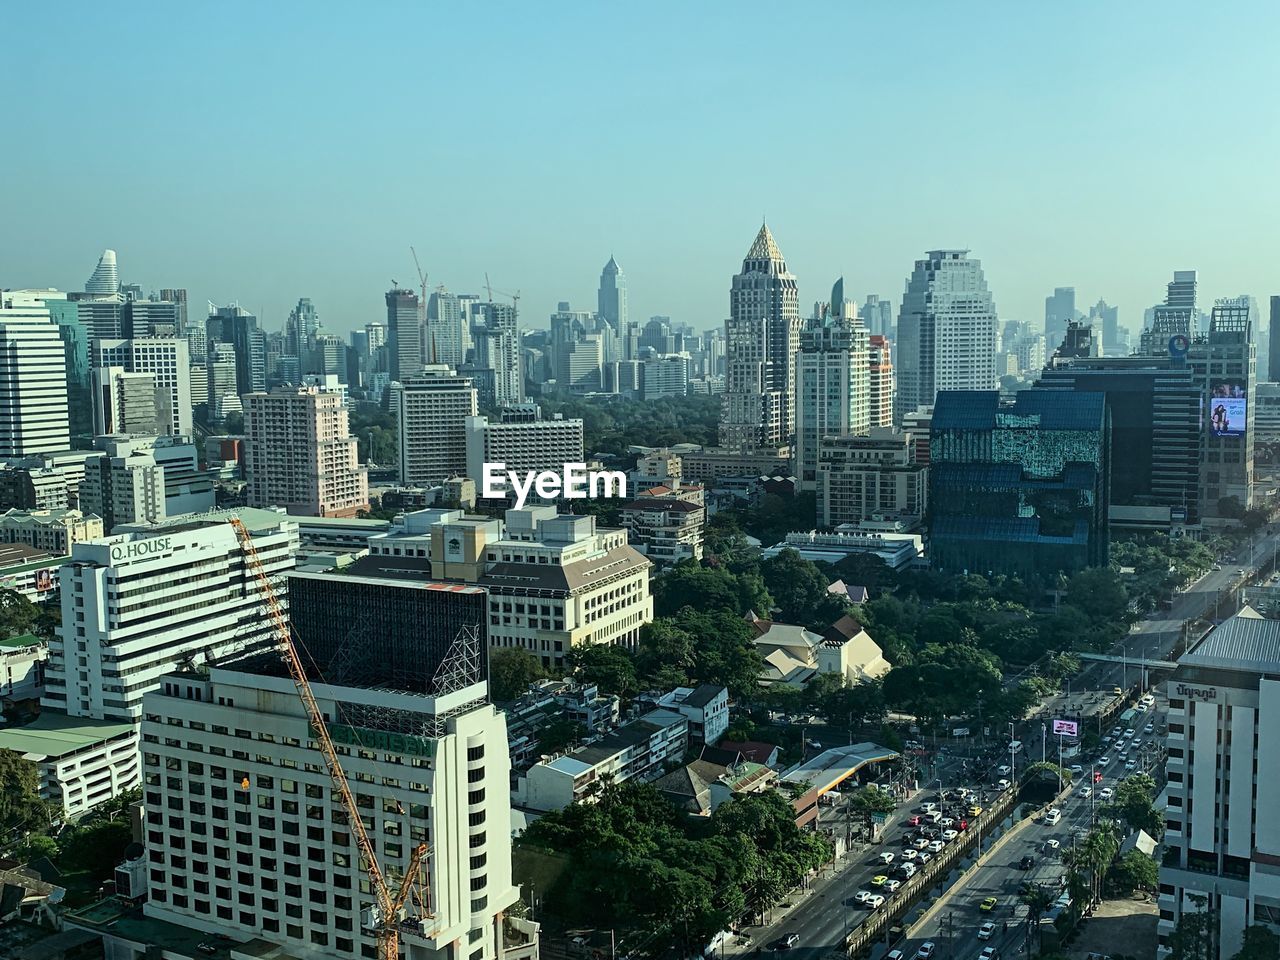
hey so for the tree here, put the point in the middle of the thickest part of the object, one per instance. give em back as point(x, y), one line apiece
point(17, 613)
point(609, 667)
point(39, 846)
point(1134, 804)
point(511, 670)
point(870, 800)
point(1259, 944)
point(20, 802)
point(691, 584)
point(559, 733)
point(1195, 933)
point(1098, 593)
point(1137, 871)
point(799, 590)
point(97, 847)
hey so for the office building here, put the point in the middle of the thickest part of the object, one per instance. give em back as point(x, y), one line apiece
point(665, 523)
point(1080, 339)
point(611, 298)
point(496, 335)
point(431, 767)
point(302, 324)
point(237, 327)
point(1157, 419)
point(105, 280)
point(877, 315)
point(143, 479)
point(448, 330)
point(53, 531)
point(1059, 310)
point(946, 330)
point(880, 382)
point(833, 384)
point(1221, 845)
point(873, 477)
point(523, 441)
point(662, 377)
point(404, 334)
point(1224, 363)
point(33, 383)
point(762, 339)
point(1177, 316)
point(151, 318)
point(300, 455)
point(431, 411)
point(166, 360)
point(79, 763)
point(1018, 488)
point(128, 403)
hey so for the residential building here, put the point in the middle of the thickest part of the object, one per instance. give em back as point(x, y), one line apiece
point(833, 384)
point(946, 330)
point(300, 455)
point(33, 383)
point(1176, 317)
point(53, 531)
point(105, 280)
point(166, 360)
point(1115, 340)
point(1224, 366)
point(665, 523)
point(880, 382)
point(238, 328)
point(639, 750)
point(144, 479)
point(432, 411)
point(762, 339)
point(496, 334)
point(872, 477)
point(448, 330)
point(1266, 413)
point(302, 324)
point(1018, 488)
point(710, 465)
point(33, 487)
point(151, 318)
point(79, 762)
point(548, 701)
point(431, 767)
point(523, 441)
point(706, 707)
point(128, 403)
point(1059, 310)
point(664, 376)
point(1220, 844)
point(877, 315)
point(611, 299)
point(793, 655)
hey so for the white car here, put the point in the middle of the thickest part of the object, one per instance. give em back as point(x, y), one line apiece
point(1003, 770)
point(928, 807)
point(1129, 733)
point(1103, 761)
point(1116, 731)
point(949, 835)
point(876, 901)
point(935, 846)
point(1002, 784)
point(926, 950)
point(909, 854)
point(1052, 843)
point(1077, 769)
point(946, 823)
point(1053, 816)
point(1131, 765)
point(863, 896)
point(886, 857)
point(1149, 728)
point(1086, 792)
point(920, 843)
point(1106, 793)
point(986, 930)
point(892, 885)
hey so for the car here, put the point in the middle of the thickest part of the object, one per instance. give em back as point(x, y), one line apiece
point(928, 807)
point(895, 955)
point(1003, 770)
point(1086, 792)
point(989, 953)
point(920, 843)
point(1131, 765)
point(892, 885)
point(935, 846)
point(925, 856)
point(1026, 863)
point(947, 823)
point(876, 901)
point(986, 930)
point(1129, 733)
point(786, 941)
point(1103, 761)
point(862, 896)
point(1053, 816)
point(1117, 731)
point(914, 820)
point(1106, 793)
point(975, 811)
point(989, 904)
point(926, 950)
point(206, 948)
point(949, 835)
point(1003, 784)
point(908, 855)
point(879, 880)
point(1216, 566)
point(1077, 769)
point(1150, 728)
point(908, 870)
point(1052, 843)
point(886, 857)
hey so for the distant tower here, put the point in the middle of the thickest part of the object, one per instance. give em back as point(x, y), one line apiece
point(762, 339)
point(612, 300)
point(404, 334)
point(105, 280)
point(1059, 310)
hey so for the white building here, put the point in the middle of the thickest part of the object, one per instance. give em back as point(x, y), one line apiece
point(33, 383)
point(523, 441)
point(876, 476)
point(833, 389)
point(706, 707)
point(272, 861)
point(947, 330)
point(1222, 845)
point(165, 358)
point(53, 531)
point(665, 523)
point(22, 661)
point(144, 479)
point(431, 411)
point(127, 403)
point(80, 762)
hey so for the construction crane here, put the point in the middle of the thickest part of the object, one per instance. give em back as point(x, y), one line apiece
point(422, 301)
point(388, 903)
point(515, 297)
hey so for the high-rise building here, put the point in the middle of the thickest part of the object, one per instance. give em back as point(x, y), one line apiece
point(875, 477)
point(150, 318)
point(832, 383)
point(302, 324)
point(877, 315)
point(404, 334)
point(1220, 840)
point(128, 403)
point(666, 376)
point(496, 334)
point(1224, 365)
point(431, 411)
point(179, 296)
point(124, 489)
point(105, 280)
point(1018, 488)
point(880, 382)
point(1177, 316)
point(946, 330)
point(300, 454)
point(612, 296)
point(1059, 310)
point(762, 339)
point(1273, 347)
point(448, 332)
point(238, 327)
point(523, 441)
point(167, 360)
point(1108, 318)
point(33, 383)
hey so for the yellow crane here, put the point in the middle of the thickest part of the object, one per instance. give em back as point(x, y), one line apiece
point(389, 903)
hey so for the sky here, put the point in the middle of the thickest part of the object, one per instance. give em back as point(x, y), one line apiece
point(259, 153)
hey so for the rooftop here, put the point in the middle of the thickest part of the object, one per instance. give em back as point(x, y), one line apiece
point(169, 939)
point(252, 517)
point(54, 734)
point(829, 768)
point(18, 556)
point(22, 640)
point(1244, 642)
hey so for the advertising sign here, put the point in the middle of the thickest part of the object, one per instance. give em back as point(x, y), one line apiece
point(1228, 407)
point(1066, 728)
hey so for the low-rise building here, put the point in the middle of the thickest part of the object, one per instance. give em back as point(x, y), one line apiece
point(33, 573)
point(703, 785)
point(794, 655)
point(860, 477)
point(640, 750)
point(665, 523)
point(22, 661)
point(706, 707)
point(896, 548)
point(551, 700)
point(712, 464)
point(53, 531)
point(81, 762)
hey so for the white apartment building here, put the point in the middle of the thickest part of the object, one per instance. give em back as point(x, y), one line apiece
point(523, 441)
point(80, 762)
point(53, 531)
point(124, 489)
point(275, 861)
point(300, 455)
point(166, 359)
point(1222, 842)
point(431, 411)
point(33, 382)
point(137, 604)
point(833, 389)
point(875, 476)
point(665, 523)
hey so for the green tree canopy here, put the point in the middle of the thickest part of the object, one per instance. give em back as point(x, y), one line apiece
point(698, 645)
point(1134, 804)
point(1259, 944)
point(692, 584)
point(799, 590)
point(511, 670)
point(609, 667)
point(1137, 871)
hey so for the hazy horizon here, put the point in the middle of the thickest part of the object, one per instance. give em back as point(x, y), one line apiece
point(1095, 147)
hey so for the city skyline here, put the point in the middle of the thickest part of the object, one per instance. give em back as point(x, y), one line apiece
point(263, 229)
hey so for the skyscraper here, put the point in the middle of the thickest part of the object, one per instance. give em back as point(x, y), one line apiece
point(877, 316)
point(238, 327)
point(1224, 366)
point(431, 412)
point(946, 330)
point(497, 339)
point(404, 334)
point(105, 280)
point(33, 383)
point(612, 298)
point(762, 338)
point(1059, 310)
point(302, 325)
point(1108, 317)
point(447, 337)
point(832, 383)
point(1177, 316)
point(880, 382)
point(1273, 348)
point(177, 295)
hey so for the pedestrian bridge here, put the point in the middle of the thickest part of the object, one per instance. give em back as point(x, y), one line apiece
point(1130, 661)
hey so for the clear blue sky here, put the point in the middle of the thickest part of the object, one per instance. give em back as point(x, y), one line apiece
point(265, 151)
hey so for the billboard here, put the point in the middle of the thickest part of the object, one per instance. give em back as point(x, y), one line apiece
point(1228, 407)
point(1066, 728)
